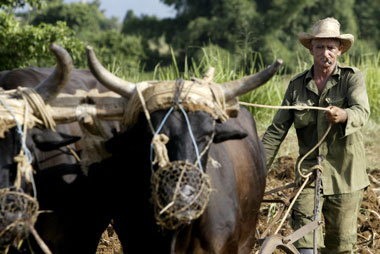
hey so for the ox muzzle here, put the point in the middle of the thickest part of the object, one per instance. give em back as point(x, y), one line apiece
point(180, 189)
point(18, 211)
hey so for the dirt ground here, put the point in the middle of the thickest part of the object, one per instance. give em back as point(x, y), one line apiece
point(369, 219)
point(281, 173)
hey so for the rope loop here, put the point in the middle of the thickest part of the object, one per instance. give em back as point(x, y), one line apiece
point(315, 167)
point(38, 106)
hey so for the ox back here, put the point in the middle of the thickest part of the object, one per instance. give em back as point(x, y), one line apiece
point(237, 171)
point(71, 226)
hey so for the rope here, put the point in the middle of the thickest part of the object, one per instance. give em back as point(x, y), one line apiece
point(305, 176)
point(73, 153)
point(297, 107)
point(18, 128)
point(156, 133)
point(192, 137)
point(161, 154)
point(146, 111)
point(24, 159)
point(309, 152)
point(158, 143)
point(310, 171)
point(291, 205)
point(38, 106)
point(209, 142)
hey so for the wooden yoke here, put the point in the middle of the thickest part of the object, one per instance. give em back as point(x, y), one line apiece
point(83, 105)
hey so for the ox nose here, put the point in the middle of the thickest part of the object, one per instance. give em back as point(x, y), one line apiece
point(10, 229)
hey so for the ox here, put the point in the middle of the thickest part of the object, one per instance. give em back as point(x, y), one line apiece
point(72, 226)
point(229, 151)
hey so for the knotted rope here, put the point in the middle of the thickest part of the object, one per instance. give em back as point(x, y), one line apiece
point(161, 154)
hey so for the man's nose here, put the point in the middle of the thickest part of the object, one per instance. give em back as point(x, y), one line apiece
point(326, 52)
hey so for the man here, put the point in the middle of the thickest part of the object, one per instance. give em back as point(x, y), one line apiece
point(342, 90)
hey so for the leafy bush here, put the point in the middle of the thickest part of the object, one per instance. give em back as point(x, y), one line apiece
point(25, 45)
point(113, 47)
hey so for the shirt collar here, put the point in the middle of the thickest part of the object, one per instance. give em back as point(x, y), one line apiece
point(335, 75)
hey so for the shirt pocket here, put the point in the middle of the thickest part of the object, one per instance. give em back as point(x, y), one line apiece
point(338, 102)
point(305, 117)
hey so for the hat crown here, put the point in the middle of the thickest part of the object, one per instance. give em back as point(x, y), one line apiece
point(324, 29)
point(328, 27)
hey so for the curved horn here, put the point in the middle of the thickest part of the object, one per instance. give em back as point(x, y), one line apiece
point(241, 86)
point(52, 85)
point(116, 84)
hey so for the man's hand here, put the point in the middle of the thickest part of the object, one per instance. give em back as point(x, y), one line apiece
point(336, 115)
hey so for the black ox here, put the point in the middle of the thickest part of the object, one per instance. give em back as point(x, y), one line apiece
point(237, 178)
point(70, 224)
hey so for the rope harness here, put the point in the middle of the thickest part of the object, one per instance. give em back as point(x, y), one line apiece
point(180, 189)
point(18, 210)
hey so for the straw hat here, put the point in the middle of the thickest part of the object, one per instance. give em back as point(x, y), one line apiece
point(327, 28)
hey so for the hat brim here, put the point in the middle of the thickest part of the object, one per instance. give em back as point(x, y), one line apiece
point(346, 39)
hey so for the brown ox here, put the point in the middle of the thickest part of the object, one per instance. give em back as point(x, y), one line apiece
point(231, 155)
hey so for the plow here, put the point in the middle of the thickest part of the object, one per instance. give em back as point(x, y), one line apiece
point(276, 241)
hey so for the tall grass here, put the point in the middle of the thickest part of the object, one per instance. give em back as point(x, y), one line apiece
point(227, 69)
point(369, 65)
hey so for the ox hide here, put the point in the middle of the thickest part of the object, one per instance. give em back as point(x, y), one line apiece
point(70, 202)
point(237, 185)
point(70, 221)
point(79, 80)
point(235, 165)
point(71, 225)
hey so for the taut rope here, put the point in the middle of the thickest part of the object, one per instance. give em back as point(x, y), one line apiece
point(297, 107)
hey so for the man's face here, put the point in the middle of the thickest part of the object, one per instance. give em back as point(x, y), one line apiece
point(325, 52)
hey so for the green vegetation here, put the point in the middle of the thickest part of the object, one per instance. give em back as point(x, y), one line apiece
point(272, 92)
point(236, 37)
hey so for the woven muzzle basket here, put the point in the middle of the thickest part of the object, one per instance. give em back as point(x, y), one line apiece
point(17, 211)
point(180, 194)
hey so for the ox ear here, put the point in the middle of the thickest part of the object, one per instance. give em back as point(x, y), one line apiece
point(47, 140)
point(227, 130)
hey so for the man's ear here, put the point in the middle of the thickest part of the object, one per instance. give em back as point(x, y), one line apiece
point(340, 50)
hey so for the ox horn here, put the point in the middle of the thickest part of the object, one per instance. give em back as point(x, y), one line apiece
point(109, 80)
point(241, 86)
point(51, 87)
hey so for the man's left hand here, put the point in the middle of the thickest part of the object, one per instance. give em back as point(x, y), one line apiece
point(336, 115)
